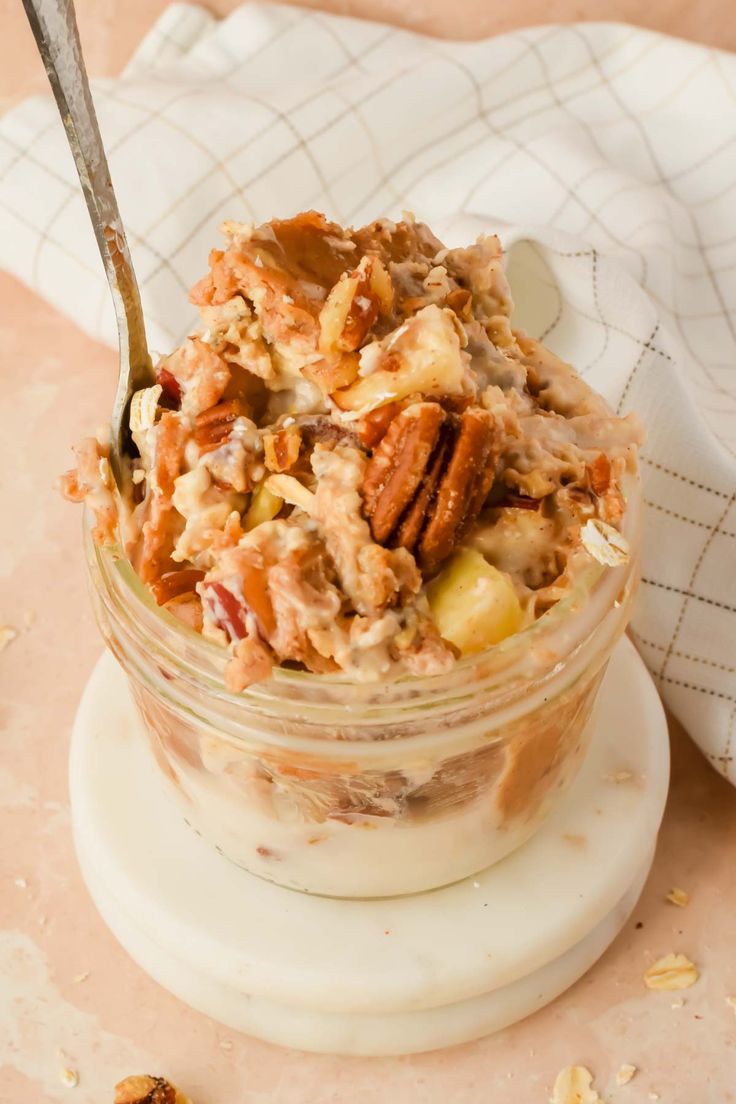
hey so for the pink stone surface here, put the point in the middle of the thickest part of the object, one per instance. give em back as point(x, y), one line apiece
point(69, 996)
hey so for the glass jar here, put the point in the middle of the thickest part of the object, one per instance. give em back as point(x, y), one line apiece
point(351, 789)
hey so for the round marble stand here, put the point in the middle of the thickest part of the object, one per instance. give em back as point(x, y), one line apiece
point(370, 977)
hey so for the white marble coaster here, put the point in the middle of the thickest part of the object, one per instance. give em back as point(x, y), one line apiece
point(386, 976)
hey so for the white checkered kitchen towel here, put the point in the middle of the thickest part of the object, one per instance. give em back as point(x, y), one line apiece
point(605, 156)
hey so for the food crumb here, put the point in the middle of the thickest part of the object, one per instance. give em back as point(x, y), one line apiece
point(618, 776)
point(476, 885)
point(226, 1044)
point(678, 897)
point(7, 635)
point(145, 1089)
point(625, 1073)
point(574, 1085)
point(21, 883)
point(673, 971)
point(78, 978)
point(731, 1002)
point(678, 1004)
point(69, 1077)
point(653, 1096)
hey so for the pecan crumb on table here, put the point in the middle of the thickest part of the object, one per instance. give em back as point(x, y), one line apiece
point(144, 1089)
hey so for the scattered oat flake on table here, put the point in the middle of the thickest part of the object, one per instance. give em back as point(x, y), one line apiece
point(731, 1002)
point(574, 1085)
point(78, 978)
point(69, 1077)
point(7, 635)
point(674, 971)
point(678, 897)
point(618, 776)
point(21, 883)
point(625, 1073)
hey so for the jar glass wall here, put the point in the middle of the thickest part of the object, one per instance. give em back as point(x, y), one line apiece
point(363, 789)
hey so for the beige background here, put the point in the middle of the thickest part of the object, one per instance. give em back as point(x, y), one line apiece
point(110, 29)
point(56, 385)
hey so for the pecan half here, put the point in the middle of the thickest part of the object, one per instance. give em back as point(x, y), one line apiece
point(320, 427)
point(429, 478)
point(398, 464)
point(213, 426)
point(463, 488)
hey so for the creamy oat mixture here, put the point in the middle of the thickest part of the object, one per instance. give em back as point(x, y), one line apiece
point(356, 463)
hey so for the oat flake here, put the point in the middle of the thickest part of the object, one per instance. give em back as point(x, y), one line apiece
point(574, 1085)
point(673, 971)
point(604, 543)
point(678, 897)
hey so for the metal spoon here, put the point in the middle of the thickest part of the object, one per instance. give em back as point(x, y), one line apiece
point(54, 26)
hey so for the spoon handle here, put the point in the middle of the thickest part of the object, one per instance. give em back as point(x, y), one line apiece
point(54, 26)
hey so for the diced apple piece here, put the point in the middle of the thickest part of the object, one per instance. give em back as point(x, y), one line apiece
point(473, 603)
point(264, 506)
point(422, 357)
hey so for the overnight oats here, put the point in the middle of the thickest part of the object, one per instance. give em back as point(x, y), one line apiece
point(374, 553)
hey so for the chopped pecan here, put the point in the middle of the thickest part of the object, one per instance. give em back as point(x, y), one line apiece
point(213, 426)
point(316, 428)
point(429, 478)
point(281, 448)
point(174, 583)
point(373, 427)
point(352, 307)
point(170, 387)
point(519, 502)
point(461, 302)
